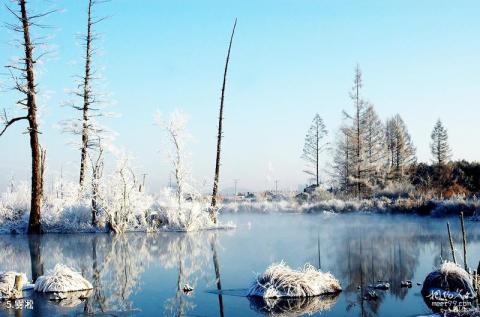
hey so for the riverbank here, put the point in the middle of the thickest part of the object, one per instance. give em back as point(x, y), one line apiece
point(419, 206)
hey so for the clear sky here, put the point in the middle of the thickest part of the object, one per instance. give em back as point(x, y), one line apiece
point(290, 59)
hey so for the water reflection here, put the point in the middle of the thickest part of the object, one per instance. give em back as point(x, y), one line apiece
point(292, 306)
point(385, 250)
point(144, 274)
point(216, 265)
point(114, 265)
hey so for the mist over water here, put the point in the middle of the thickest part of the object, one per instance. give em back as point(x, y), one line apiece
point(144, 274)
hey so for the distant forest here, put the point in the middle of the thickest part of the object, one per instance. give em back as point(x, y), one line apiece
point(372, 157)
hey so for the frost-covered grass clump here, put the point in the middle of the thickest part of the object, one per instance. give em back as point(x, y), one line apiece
point(7, 283)
point(62, 279)
point(279, 280)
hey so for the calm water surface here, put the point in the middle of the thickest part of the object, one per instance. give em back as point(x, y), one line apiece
point(143, 274)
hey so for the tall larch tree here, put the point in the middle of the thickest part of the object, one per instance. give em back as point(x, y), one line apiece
point(313, 147)
point(400, 148)
point(439, 146)
point(357, 137)
point(375, 147)
point(342, 162)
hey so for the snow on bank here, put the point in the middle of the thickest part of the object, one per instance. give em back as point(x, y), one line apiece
point(70, 210)
point(434, 207)
point(279, 280)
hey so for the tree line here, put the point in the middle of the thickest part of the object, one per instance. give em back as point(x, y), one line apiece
point(370, 155)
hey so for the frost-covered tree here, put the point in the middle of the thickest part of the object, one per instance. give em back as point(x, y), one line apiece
point(357, 135)
point(359, 160)
point(342, 163)
point(175, 128)
point(439, 146)
point(91, 102)
point(23, 74)
point(401, 151)
point(183, 209)
point(375, 147)
point(314, 145)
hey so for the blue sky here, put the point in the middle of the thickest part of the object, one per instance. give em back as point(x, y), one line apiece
point(290, 59)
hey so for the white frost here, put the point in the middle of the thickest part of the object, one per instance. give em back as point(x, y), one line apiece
point(7, 283)
point(62, 279)
point(279, 280)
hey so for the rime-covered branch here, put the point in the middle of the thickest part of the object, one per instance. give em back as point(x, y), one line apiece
point(8, 122)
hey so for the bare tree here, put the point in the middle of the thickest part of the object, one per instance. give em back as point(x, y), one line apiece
point(314, 145)
point(439, 146)
point(91, 100)
point(26, 85)
point(213, 209)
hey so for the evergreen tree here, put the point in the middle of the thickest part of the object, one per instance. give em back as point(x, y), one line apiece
point(314, 145)
point(439, 146)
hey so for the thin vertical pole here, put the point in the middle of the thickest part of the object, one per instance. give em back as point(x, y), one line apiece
point(451, 243)
point(464, 240)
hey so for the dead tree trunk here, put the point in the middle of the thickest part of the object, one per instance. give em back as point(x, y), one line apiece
point(464, 241)
point(452, 249)
point(25, 84)
point(86, 97)
point(36, 198)
point(213, 209)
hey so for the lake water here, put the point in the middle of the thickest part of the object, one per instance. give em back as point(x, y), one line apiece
point(140, 274)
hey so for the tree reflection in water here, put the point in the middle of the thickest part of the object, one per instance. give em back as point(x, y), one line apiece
point(114, 264)
point(357, 253)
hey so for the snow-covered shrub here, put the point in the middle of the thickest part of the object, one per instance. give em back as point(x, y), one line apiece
point(396, 189)
point(121, 203)
point(190, 215)
point(15, 208)
point(62, 279)
point(182, 207)
point(279, 280)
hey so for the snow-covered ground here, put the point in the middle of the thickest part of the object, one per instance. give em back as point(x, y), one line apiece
point(124, 208)
point(434, 207)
